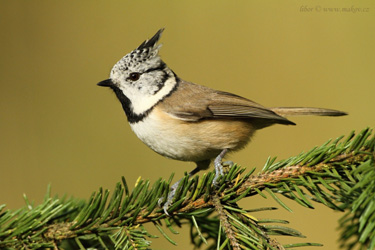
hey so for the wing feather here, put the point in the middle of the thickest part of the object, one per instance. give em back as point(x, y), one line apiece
point(191, 102)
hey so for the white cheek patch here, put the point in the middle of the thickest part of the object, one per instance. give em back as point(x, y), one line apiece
point(143, 102)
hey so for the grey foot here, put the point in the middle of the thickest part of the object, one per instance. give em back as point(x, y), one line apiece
point(170, 197)
point(200, 165)
point(219, 167)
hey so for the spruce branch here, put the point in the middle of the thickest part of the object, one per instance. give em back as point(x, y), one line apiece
point(339, 174)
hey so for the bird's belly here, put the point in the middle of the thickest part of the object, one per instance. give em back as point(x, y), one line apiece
point(191, 141)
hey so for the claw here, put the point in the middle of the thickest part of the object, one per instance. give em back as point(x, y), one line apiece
point(200, 165)
point(170, 197)
point(160, 201)
point(228, 164)
point(171, 194)
point(165, 206)
point(219, 167)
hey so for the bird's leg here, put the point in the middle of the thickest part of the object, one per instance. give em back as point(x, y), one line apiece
point(219, 166)
point(200, 165)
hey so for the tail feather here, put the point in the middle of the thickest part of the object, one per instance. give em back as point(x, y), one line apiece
point(291, 111)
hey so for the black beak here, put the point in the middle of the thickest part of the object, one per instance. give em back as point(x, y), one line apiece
point(106, 83)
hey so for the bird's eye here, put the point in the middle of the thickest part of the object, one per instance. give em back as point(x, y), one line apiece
point(134, 76)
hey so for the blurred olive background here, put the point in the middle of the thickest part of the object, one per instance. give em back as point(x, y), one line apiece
point(58, 127)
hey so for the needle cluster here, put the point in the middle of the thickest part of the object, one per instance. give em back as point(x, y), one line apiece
point(339, 174)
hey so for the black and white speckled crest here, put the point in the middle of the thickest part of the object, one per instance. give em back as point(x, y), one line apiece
point(139, 57)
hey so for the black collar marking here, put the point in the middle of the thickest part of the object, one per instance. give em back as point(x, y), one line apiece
point(126, 103)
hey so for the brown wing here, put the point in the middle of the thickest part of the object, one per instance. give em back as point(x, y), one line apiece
point(191, 102)
point(234, 106)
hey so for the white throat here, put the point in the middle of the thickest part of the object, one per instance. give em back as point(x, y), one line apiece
point(144, 103)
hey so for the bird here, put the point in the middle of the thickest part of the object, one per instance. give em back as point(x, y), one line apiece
point(185, 121)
